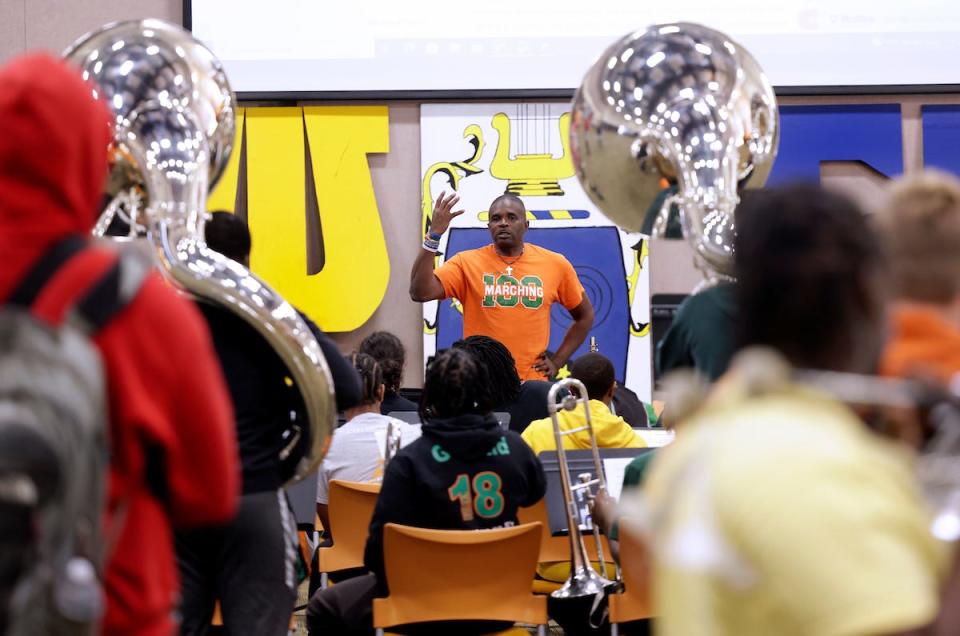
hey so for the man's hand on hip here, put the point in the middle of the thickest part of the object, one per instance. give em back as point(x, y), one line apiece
point(546, 365)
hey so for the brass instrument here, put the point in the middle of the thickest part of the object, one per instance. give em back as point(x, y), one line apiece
point(678, 104)
point(583, 579)
point(173, 131)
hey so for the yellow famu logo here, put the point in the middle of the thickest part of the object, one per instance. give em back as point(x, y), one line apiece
point(507, 291)
point(301, 178)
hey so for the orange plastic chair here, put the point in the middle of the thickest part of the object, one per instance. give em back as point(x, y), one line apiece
point(633, 603)
point(351, 507)
point(441, 575)
point(217, 620)
point(557, 549)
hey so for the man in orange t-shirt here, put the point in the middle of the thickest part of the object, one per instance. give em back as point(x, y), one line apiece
point(506, 288)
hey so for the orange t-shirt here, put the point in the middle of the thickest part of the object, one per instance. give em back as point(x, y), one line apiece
point(511, 303)
point(923, 343)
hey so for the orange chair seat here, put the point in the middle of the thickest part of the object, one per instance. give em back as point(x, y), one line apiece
point(491, 580)
point(557, 549)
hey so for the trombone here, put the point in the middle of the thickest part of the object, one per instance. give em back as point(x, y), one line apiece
point(583, 579)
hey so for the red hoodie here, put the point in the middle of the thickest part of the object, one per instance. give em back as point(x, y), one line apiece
point(166, 390)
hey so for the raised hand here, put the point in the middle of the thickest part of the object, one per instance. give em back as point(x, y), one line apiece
point(442, 215)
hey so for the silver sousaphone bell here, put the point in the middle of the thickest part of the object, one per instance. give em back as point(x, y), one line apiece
point(682, 104)
point(173, 130)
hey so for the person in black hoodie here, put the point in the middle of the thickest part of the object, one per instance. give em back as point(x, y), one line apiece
point(465, 472)
point(249, 564)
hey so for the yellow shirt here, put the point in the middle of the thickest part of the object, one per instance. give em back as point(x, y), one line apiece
point(610, 430)
point(783, 514)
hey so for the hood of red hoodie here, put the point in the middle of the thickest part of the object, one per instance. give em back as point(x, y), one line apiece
point(54, 139)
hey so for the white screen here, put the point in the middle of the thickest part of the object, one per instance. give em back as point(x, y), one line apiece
point(415, 45)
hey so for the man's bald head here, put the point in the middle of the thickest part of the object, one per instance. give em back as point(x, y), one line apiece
point(507, 198)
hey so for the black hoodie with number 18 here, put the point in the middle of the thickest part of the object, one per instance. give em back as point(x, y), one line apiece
point(464, 473)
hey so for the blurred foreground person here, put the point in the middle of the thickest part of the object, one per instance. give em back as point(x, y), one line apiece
point(173, 455)
point(703, 334)
point(921, 228)
point(462, 450)
point(249, 565)
point(777, 511)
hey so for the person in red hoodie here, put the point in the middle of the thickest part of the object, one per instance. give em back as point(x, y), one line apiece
point(921, 228)
point(173, 450)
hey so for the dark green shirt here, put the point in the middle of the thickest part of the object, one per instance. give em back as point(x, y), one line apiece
point(632, 478)
point(702, 334)
point(674, 229)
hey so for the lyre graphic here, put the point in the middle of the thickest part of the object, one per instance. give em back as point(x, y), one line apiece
point(532, 170)
point(642, 252)
point(454, 171)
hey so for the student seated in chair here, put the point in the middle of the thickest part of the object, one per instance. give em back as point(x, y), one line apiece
point(597, 374)
point(464, 472)
point(356, 452)
point(524, 401)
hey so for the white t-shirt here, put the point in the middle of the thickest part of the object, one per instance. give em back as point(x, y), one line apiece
point(356, 452)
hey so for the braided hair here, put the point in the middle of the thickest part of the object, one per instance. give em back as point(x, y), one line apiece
point(504, 380)
point(387, 350)
point(455, 384)
point(370, 377)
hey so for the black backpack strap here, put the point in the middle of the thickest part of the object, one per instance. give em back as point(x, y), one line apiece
point(44, 269)
point(111, 293)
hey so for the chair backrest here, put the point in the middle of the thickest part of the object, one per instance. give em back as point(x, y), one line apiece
point(350, 509)
point(411, 417)
point(438, 575)
point(557, 549)
point(634, 602)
